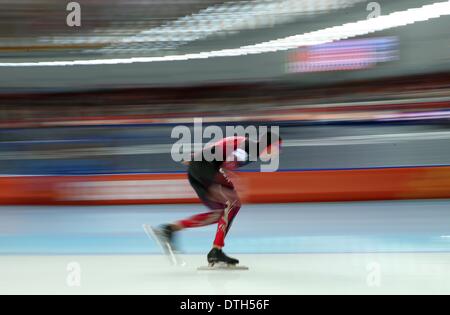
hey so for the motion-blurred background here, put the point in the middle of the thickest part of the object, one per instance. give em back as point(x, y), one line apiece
point(347, 97)
point(360, 90)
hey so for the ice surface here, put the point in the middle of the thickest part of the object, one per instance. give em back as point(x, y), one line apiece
point(414, 273)
point(387, 247)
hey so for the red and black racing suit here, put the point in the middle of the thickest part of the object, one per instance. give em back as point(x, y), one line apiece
point(203, 174)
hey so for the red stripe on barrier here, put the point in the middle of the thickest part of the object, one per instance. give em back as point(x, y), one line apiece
point(295, 186)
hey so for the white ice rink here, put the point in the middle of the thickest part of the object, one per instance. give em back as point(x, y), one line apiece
point(268, 274)
point(400, 247)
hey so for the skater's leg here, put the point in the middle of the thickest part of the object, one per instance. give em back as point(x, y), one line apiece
point(222, 213)
point(216, 255)
point(225, 222)
point(214, 202)
point(166, 232)
point(224, 191)
point(199, 220)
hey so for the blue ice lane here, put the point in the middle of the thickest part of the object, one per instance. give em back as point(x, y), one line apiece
point(397, 226)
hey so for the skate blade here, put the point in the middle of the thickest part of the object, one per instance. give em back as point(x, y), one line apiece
point(222, 266)
point(166, 248)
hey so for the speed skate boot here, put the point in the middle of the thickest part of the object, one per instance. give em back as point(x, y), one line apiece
point(217, 256)
point(164, 236)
